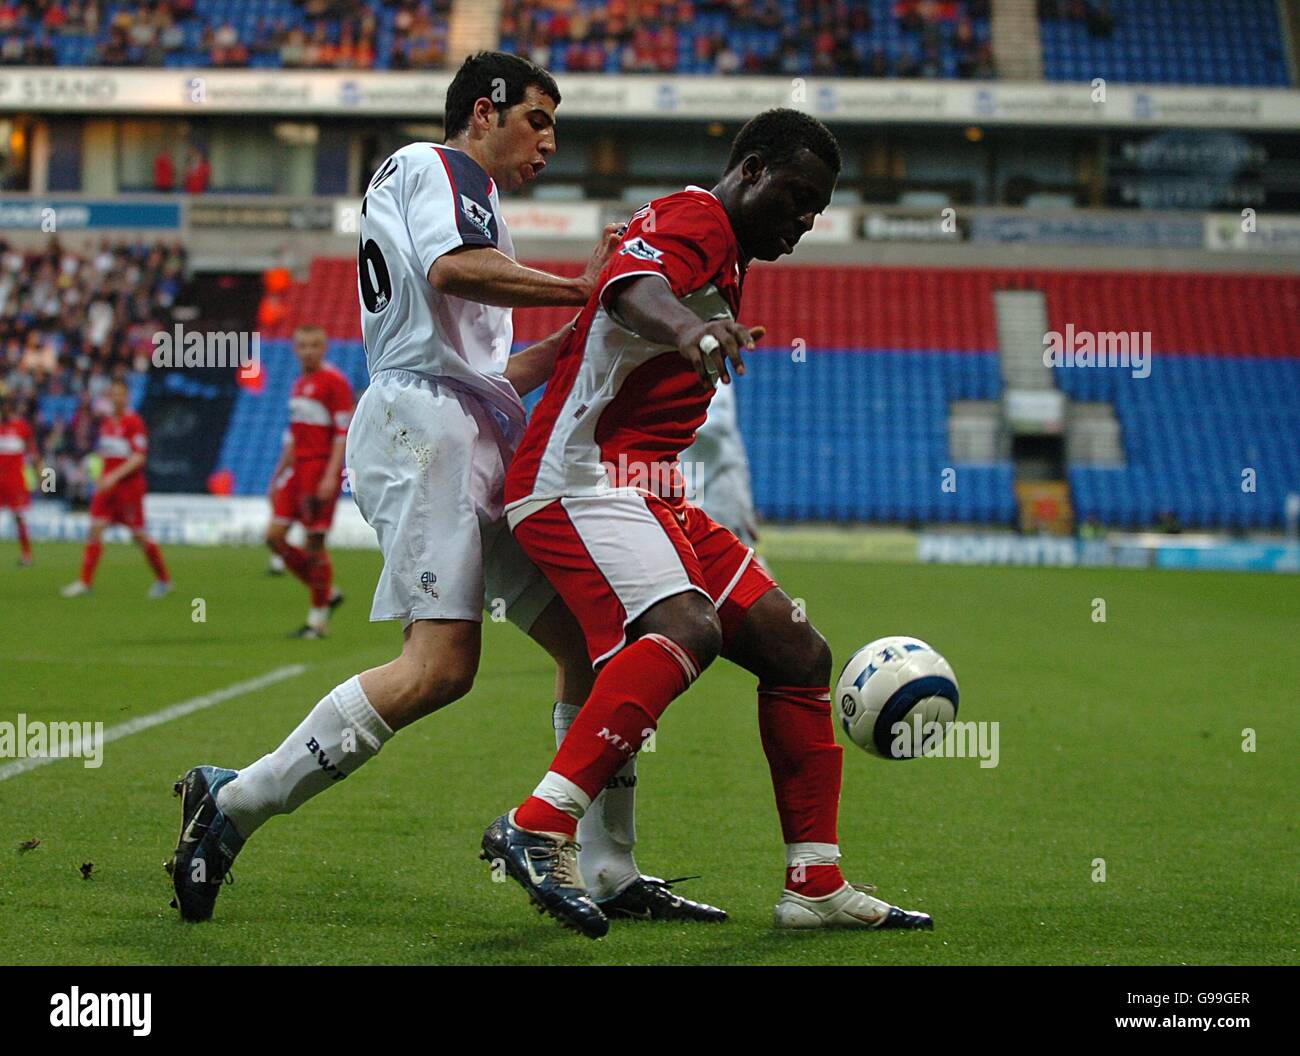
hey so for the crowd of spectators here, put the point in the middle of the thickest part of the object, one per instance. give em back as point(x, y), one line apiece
point(825, 37)
point(322, 34)
point(645, 36)
point(72, 322)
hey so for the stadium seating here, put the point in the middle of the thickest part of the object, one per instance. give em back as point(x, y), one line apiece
point(256, 430)
point(1191, 430)
point(792, 38)
point(1224, 42)
point(261, 28)
point(845, 409)
point(878, 460)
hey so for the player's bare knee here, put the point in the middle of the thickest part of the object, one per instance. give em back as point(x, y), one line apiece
point(435, 686)
point(690, 620)
point(275, 536)
point(702, 636)
point(813, 659)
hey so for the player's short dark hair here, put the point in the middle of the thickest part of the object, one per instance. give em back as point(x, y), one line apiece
point(494, 75)
point(777, 135)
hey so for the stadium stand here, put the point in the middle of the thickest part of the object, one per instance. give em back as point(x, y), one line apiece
point(261, 415)
point(1220, 396)
point(870, 38)
point(876, 38)
point(1236, 42)
point(69, 323)
point(302, 34)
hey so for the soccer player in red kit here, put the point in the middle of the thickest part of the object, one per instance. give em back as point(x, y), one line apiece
point(123, 444)
point(306, 481)
point(17, 446)
point(595, 497)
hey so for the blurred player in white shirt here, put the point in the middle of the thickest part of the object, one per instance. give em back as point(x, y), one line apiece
point(717, 469)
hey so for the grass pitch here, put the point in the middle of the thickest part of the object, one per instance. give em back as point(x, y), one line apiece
point(1119, 740)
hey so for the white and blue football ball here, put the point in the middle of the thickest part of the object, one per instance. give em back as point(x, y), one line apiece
point(896, 697)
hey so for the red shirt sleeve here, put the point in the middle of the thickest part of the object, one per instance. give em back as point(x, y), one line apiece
point(138, 434)
point(340, 405)
point(679, 237)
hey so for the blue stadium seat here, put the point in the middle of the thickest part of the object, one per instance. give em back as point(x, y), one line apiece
point(1189, 431)
point(1172, 42)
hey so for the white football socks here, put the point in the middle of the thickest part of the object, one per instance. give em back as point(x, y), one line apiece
point(607, 831)
point(341, 732)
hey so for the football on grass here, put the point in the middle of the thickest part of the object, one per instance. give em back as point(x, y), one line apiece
point(896, 697)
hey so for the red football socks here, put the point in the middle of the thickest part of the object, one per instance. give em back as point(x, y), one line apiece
point(154, 556)
point(296, 561)
point(631, 692)
point(90, 561)
point(799, 741)
point(813, 881)
point(24, 541)
point(320, 578)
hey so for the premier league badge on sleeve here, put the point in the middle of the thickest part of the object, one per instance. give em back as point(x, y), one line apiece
point(480, 217)
point(641, 249)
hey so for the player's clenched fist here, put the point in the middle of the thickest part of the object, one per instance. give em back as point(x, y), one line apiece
point(709, 346)
point(608, 240)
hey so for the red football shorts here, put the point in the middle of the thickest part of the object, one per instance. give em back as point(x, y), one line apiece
point(13, 493)
point(294, 497)
point(613, 555)
point(123, 505)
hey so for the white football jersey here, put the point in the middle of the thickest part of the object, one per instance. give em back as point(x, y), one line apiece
point(424, 201)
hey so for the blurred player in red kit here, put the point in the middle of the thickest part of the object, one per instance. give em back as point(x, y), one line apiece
point(123, 444)
point(17, 446)
point(305, 484)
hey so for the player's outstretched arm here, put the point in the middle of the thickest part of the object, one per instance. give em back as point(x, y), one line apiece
point(486, 275)
point(645, 305)
point(530, 368)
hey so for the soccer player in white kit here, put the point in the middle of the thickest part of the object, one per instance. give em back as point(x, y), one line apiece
point(427, 451)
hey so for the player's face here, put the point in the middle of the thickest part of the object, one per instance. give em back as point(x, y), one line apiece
point(522, 139)
point(310, 350)
point(778, 206)
point(119, 397)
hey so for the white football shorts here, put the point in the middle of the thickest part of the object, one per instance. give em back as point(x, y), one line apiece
point(427, 464)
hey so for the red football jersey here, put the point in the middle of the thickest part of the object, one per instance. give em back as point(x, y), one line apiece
point(15, 442)
point(320, 408)
point(119, 439)
point(619, 410)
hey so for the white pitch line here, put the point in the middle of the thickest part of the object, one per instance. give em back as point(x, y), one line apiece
point(172, 711)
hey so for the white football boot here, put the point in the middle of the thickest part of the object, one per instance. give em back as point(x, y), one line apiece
point(160, 589)
point(852, 906)
point(75, 589)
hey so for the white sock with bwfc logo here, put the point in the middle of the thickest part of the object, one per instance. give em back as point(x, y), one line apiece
point(607, 831)
point(340, 734)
